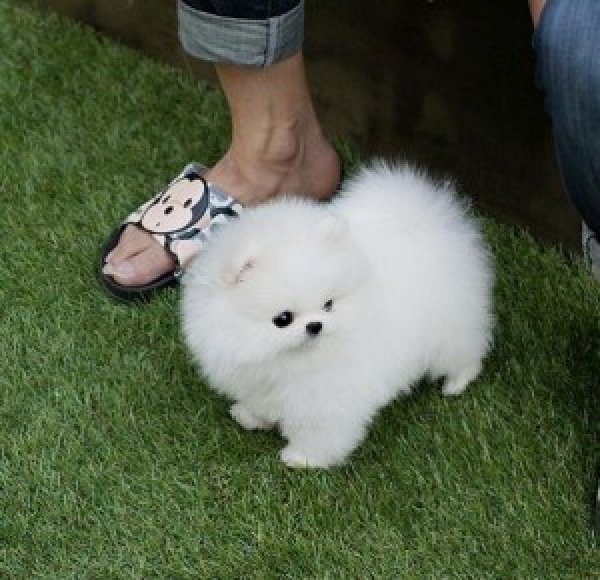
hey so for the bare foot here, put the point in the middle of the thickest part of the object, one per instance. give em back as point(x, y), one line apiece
point(277, 148)
point(138, 259)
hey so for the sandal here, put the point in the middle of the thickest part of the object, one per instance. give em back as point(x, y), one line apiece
point(181, 219)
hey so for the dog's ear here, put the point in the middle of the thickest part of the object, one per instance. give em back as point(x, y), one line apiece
point(240, 265)
point(331, 227)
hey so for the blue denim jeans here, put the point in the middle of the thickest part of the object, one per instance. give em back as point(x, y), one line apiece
point(567, 45)
point(255, 33)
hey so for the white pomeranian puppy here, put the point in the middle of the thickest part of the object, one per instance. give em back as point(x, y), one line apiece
point(313, 316)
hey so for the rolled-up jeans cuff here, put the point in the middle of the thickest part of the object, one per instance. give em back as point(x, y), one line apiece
point(241, 41)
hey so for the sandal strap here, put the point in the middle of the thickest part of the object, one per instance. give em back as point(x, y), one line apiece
point(192, 209)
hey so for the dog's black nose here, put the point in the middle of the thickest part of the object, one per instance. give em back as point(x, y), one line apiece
point(313, 328)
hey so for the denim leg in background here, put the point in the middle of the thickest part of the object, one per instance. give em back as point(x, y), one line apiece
point(255, 33)
point(567, 45)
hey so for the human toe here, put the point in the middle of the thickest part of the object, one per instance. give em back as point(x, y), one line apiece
point(142, 268)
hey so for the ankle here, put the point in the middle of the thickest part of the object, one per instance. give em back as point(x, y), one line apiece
point(307, 166)
point(277, 145)
point(283, 146)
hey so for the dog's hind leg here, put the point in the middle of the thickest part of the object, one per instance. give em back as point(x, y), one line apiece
point(456, 383)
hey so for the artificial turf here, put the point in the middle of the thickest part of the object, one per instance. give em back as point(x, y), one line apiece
point(116, 461)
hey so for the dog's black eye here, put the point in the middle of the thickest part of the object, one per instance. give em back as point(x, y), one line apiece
point(187, 203)
point(328, 306)
point(283, 319)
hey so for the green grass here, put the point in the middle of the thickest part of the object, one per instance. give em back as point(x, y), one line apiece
point(117, 462)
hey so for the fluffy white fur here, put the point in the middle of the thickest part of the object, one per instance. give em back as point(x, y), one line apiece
point(410, 280)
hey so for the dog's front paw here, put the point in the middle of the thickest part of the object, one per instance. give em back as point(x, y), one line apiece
point(294, 458)
point(456, 384)
point(247, 419)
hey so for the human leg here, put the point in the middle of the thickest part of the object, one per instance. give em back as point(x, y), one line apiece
point(277, 144)
point(567, 45)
